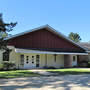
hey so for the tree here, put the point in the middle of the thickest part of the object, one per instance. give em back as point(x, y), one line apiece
point(4, 29)
point(75, 37)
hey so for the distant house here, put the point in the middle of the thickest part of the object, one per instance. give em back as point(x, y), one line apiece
point(42, 47)
point(86, 46)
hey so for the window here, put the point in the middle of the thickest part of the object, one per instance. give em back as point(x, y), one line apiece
point(5, 56)
point(37, 60)
point(32, 59)
point(27, 58)
point(22, 60)
point(74, 58)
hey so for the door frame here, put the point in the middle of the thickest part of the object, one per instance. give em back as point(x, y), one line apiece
point(31, 62)
point(74, 60)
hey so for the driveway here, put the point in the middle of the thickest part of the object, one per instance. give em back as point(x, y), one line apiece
point(66, 82)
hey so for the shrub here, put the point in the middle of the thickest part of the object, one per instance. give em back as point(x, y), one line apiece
point(50, 67)
point(88, 64)
point(83, 63)
point(8, 65)
point(45, 67)
point(1, 66)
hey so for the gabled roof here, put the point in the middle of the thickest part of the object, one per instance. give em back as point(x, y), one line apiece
point(48, 28)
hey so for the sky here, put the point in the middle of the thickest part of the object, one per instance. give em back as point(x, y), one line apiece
point(64, 15)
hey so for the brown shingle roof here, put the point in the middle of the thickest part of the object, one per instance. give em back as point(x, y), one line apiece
point(86, 45)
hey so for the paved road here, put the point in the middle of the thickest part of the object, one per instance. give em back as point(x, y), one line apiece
point(67, 82)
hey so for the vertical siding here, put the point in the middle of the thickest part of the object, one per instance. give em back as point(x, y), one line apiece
point(42, 39)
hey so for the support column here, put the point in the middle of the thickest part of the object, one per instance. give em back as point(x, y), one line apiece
point(67, 60)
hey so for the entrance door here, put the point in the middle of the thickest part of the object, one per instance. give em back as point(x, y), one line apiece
point(37, 60)
point(74, 61)
point(29, 61)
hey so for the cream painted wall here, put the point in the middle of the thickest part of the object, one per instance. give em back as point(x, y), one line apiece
point(15, 57)
point(58, 63)
point(42, 60)
point(1, 56)
point(51, 62)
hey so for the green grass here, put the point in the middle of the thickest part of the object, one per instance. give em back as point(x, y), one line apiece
point(17, 73)
point(69, 71)
point(27, 73)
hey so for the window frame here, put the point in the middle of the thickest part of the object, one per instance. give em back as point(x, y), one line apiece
point(22, 60)
point(5, 56)
point(74, 58)
point(27, 59)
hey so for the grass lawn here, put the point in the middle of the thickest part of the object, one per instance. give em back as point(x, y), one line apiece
point(69, 71)
point(17, 73)
point(28, 73)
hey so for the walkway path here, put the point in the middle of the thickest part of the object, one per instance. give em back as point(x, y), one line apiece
point(66, 82)
point(43, 72)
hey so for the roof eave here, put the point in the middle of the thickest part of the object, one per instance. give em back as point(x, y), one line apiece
point(50, 28)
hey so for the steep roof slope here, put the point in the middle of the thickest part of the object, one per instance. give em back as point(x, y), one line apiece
point(48, 28)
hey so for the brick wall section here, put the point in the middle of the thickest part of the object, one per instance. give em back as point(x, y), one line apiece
point(67, 60)
point(83, 58)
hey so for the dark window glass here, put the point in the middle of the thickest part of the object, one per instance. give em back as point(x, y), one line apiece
point(74, 58)
point(27, 59)
point(22, 59)
point(37, 60)
point(5, 56)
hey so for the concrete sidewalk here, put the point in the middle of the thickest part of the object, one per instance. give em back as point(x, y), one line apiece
point(66, 82)
point(43, 72)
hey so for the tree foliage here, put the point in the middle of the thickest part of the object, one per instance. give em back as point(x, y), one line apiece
point(75, 37)
point(4, 29)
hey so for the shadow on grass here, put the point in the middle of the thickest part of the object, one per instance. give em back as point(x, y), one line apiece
point(68, 72)
point(15, 74)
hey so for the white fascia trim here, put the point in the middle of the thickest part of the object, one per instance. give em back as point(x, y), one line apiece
point(46, 52)
point(62, 35)
point(28, 31)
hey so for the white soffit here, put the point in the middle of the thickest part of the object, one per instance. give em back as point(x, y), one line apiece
point(46, 52)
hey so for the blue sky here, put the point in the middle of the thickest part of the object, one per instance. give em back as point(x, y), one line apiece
point(64, 15)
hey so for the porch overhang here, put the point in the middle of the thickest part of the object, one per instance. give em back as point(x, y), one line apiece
point(47, 52)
